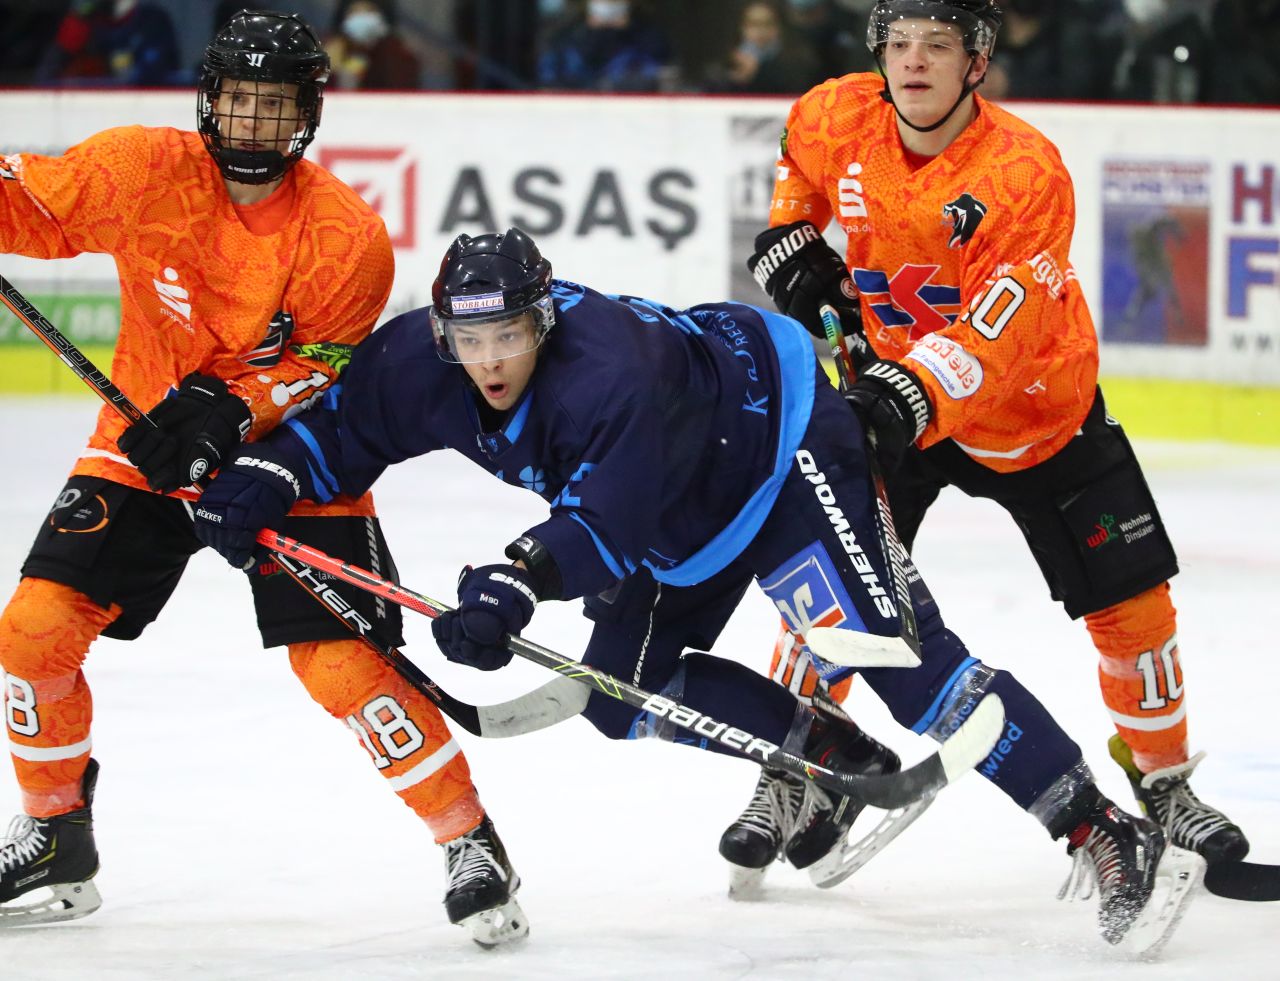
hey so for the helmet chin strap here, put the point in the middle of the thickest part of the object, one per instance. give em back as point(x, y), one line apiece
point(965, 91)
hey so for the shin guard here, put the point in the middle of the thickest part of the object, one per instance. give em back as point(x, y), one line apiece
point(1141, 676)
point(400, 728)
point(45, 634)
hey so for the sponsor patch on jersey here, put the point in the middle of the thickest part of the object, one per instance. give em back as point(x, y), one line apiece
point(808, 592)
point(483, 303)
point(959, 371)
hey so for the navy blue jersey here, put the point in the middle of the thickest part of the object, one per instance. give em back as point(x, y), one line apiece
point(658, 437)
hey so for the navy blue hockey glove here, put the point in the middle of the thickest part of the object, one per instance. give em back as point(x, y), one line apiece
point(800, 272)
point(250, 493)
point(194, 428)
point(494, 602)
point(893, 406)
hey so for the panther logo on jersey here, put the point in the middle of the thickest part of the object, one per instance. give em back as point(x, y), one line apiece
point(966, 213)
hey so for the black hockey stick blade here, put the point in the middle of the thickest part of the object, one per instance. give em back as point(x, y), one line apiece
point(963, 750)
point(1252, 882)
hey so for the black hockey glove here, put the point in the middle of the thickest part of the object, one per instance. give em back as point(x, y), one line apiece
point(894, 409)
point(494, 602)
point(800, 272)
point(193, 431)
point(250, 493)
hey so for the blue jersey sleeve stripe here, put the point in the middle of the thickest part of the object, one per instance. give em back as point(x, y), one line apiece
point(317, 485)
point(610, 563)
point(324, 480)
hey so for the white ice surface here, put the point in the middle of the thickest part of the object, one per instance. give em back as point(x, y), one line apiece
point(245, 835)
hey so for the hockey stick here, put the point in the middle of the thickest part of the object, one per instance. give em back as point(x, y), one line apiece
point(970, 744)
point(553, 702)
point(1251, 882)
point(848, 647)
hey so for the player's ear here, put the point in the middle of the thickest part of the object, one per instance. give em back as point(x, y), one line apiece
point(979, 69)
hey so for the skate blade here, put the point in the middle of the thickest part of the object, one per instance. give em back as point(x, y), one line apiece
point(500, 925)
point(1177, 876)
point(746, 885)
point(66, 901)
point(849, 856)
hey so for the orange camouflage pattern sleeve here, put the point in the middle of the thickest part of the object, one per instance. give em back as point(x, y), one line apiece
point(798, 186)
point(82, 201)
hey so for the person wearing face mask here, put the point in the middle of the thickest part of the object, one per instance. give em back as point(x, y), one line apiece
point(366, 49)
point(117, 41)
point(768, 57)
point(612, 47)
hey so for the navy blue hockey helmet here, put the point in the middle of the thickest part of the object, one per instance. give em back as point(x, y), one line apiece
point(491, 279)
point(271, 49)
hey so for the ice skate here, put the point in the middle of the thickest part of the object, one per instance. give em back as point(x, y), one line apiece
point(1167, 798)
point(1143, 885)
point(755, 840)
point(480, 887)
point(825, 818)
point(51, 862)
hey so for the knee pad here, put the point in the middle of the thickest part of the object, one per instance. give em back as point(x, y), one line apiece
point(46, 630)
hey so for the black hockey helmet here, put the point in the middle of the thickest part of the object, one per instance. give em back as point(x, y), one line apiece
point(978, 21)
point(263, 46)
point(488, 279)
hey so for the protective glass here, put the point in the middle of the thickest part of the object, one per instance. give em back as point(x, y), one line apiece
point(902, 22)
point(480, 339)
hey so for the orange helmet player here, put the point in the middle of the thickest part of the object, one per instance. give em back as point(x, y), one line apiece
point(246, 276)
point(977, 356)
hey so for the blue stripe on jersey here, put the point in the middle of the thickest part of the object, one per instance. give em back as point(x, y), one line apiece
point(515, 425)
point(323, 482)
point(796, 371)
point(605, 555)
point(928, 718)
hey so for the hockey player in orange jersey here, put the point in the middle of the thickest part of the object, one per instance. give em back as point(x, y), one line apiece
point(246, 276)
point(978, 363)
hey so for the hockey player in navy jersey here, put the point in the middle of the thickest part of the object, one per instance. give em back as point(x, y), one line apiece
point(682, 453)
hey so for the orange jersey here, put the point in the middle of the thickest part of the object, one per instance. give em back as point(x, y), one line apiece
point(961, 263)
point(198, 289)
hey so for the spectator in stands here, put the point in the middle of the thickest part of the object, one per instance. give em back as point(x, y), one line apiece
point(610, 47)
point(1245, 52)
point(124, 42)
point(366, 50)
point(769, 58)
point(1168, 56)
point(837, 33)
point(1057, 50)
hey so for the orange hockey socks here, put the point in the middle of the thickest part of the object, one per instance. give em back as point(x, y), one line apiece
point(1141, 676)
point(400, 728)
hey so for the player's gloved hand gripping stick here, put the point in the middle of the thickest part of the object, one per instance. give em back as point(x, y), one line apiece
point(553, 702)
point(967, 747)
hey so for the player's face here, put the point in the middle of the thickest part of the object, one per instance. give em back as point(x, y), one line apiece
point(258, 115)
point(499, 357)
point(926, 66)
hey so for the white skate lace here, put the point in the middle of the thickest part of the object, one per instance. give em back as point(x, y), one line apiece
point(469, 858)
point(22, 842)
point(1095, 861)
point(773, 809)
point(1186, 818)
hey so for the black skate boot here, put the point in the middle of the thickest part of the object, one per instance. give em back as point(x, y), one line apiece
point(1168, 799)
point(755, 840)
point(1143, 884)
point(825, 817)
point(480, 887)
point(56, 853)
